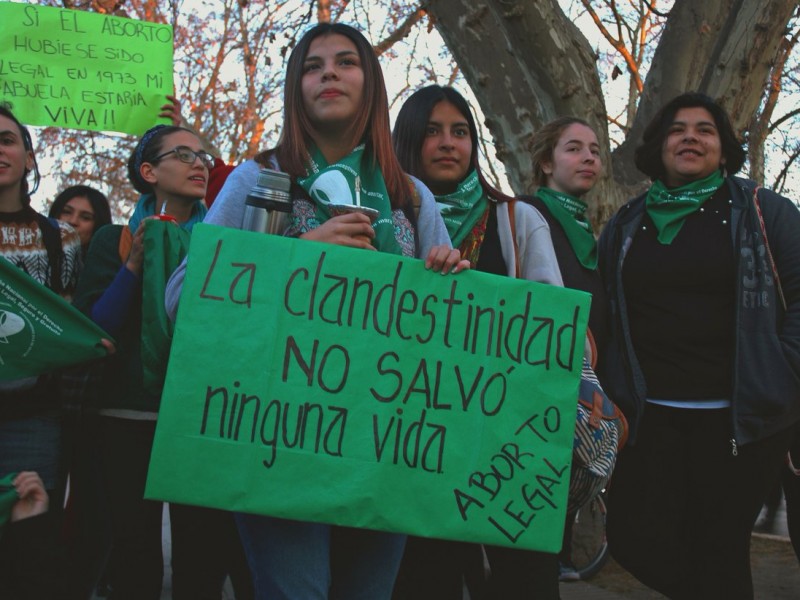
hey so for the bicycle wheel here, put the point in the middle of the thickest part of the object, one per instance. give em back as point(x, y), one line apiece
point(589, 544)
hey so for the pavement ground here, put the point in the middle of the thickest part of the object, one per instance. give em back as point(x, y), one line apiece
point(776, 572)
point(776, 576)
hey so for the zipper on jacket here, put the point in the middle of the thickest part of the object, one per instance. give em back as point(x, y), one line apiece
point(626, 344)
point(737, 231)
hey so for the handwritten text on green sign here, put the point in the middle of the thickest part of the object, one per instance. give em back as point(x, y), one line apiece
point(401, 399)
point(83, 70)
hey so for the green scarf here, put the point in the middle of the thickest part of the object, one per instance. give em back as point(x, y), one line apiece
point(570, 212)
point(146, 207)
point(668, 208)
point(463, 208)
point(336, 184)
point(165, 246)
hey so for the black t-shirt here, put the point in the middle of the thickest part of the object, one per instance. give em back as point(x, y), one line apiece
point(681, 304)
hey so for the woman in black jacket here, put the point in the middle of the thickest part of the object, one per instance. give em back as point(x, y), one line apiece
point(703, 358)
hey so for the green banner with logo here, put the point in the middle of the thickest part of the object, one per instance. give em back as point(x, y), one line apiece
point(330, 384)
point(39, 330)
point(83, 70)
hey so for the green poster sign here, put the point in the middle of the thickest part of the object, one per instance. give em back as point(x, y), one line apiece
point(83, 70)
point(39, 330)
point(330, 384)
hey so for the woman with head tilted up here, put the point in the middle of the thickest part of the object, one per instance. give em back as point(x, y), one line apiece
point(704, 356)
point(336, 147)
point(437, 141)
point(119, 291)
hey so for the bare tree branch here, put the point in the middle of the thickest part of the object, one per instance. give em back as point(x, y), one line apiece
point(400, 32)
point(619, 46)
point(783, 119)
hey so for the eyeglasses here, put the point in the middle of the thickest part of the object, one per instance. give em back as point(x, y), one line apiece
point(188, 156)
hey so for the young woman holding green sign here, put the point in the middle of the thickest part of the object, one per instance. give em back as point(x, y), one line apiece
point(437, 140)
point(336, 118)
point(169, 167)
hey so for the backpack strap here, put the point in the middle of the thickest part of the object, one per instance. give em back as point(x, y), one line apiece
point(512, 220)
point(772, 264)
point(416, 200)
point(416, 203)
point(125, 243)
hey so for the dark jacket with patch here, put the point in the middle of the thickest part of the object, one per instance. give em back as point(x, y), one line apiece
point(766, 371)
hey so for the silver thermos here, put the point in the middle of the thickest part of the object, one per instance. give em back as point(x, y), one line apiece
point(268, 203)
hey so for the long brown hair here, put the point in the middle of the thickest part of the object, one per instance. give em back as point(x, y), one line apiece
point(411, 127)
point(371, 125)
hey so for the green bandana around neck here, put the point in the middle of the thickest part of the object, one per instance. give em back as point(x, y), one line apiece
point(570, 212)
point(668, 208)
point(462, 209)
point(336, 184)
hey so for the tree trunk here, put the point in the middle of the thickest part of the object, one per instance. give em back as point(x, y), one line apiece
point(526, 63)
point(723, 48)
point(759, 126)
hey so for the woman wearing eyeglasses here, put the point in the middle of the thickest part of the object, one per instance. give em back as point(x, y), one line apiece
point(170, 169)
